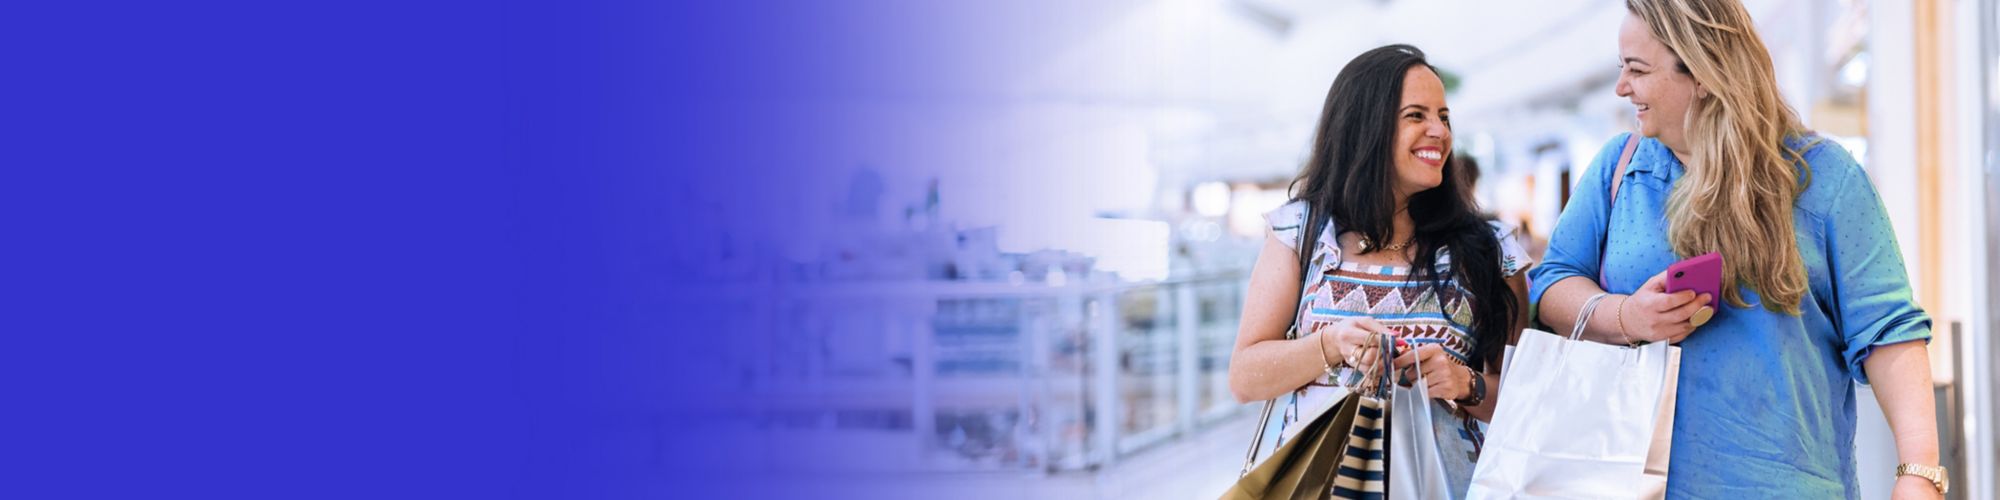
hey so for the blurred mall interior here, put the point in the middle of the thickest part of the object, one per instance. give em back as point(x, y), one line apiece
point(1057, 322)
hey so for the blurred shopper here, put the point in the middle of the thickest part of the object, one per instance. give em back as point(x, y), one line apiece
point(1396, 247)
point(1815, 296)
point(1468, 173)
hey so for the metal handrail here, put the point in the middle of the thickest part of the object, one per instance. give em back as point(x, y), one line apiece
point(1074, 357)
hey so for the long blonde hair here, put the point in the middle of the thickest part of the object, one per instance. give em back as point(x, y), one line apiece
point(1741, 181)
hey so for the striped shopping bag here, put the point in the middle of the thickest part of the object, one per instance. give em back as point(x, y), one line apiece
point(1364, 471)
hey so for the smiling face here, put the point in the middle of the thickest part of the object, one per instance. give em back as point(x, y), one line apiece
point(1652, 79)
point(1423, 133)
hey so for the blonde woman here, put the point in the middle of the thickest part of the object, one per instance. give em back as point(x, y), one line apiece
point(1821, 299)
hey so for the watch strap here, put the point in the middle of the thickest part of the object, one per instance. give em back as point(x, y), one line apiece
point(1935, 474)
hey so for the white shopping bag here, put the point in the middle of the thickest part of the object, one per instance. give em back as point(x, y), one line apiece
point(1416, 463)
point(1580, 419)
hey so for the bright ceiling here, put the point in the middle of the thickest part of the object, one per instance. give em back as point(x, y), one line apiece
point(1230, 88)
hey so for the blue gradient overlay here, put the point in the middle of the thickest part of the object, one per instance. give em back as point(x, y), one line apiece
point(461, 250)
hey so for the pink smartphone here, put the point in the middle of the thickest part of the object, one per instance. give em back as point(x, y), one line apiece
point(1701, 274)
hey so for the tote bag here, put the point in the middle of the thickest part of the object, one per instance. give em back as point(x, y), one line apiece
point(1416, 459)
point(1580, 419)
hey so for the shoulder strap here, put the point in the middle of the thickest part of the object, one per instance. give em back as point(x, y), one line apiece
point(1631, 144)
point(1307, 245)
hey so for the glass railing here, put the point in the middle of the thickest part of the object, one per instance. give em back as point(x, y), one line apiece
point(978, 377)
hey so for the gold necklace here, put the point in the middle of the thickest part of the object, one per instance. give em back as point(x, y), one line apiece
point(1365, 242)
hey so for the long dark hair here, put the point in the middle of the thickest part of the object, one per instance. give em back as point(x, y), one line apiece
point(1350, 180)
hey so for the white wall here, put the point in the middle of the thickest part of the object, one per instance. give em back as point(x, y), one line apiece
point(1891, 162)
point(1972, 288)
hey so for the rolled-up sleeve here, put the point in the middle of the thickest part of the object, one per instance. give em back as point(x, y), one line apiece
point(1576, 245)
point(1871, 288)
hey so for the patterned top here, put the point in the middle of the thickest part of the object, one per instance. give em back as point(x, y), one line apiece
point(1418, 312)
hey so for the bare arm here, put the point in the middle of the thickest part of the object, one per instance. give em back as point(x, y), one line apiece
point(1563, 302)
point(1264, 364)
point(1901, 375)
point(1649, 314)
point(1575, 253)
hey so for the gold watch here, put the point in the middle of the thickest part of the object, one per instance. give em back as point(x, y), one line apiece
point(1938, 476)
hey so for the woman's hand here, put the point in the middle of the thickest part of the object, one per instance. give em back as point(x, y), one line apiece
point(1443, 377)
point(1354, 340)
point(1653, 315)
point(1914, 488)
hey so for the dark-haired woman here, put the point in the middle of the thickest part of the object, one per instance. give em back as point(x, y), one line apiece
point(1393, 247)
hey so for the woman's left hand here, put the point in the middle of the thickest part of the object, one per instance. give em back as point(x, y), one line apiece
point(1443, 377)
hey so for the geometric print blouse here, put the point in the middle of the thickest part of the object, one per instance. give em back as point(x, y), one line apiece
point(1417, 312)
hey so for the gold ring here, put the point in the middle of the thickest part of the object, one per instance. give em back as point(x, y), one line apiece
point(1701, 316)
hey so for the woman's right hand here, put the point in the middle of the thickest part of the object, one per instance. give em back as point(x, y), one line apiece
point(1653, 315)
point(1354, 340)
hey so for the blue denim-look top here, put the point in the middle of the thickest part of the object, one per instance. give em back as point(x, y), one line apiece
point(1766, 400)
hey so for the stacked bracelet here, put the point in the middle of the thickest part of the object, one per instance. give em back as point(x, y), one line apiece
point(1478, 390)
point(1327, 360)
